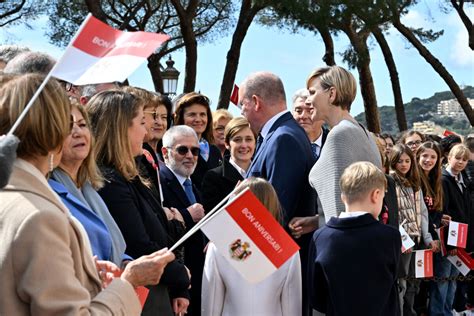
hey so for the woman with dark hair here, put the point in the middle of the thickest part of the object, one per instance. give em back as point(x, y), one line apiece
point(412, 139)
point(118, 124)
point(193, 109)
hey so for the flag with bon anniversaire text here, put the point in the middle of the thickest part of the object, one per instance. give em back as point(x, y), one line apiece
point(250, 238)
point(99, 53)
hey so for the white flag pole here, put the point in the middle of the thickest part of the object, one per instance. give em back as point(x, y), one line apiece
point(46, 79)
point(217, 209)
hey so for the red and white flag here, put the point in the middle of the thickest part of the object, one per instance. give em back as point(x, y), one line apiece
point(457, 234)
point(407, 242)
point(250, 238)
point(234, 98)
point(441, 231)
point(423, 263)
point(462, 261)
point(99, 53)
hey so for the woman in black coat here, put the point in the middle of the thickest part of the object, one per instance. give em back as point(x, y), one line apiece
point(117, 121)
point(220, 181)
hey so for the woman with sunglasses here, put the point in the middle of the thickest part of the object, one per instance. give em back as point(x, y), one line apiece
point(118, 124)
point(193, 109)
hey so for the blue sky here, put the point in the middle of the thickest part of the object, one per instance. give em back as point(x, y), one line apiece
point(293, 56)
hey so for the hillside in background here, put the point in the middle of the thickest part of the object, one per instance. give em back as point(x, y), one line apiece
point(418, 110)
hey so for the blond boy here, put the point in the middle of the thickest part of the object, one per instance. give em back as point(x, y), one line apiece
point(355, 258)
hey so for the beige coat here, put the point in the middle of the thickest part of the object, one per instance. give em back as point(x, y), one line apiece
point(46, 267)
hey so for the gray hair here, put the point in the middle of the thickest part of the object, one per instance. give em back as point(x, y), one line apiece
point(302, 93)
point(30, 62)
point(90, 90)
point(169, 138)
point(8, 52)
point(266, 85)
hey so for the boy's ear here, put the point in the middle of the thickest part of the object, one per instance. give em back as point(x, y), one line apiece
point(375, 195)
point(343, 198)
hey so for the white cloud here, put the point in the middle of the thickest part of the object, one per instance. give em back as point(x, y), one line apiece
point(415, 19)
point(461, 54)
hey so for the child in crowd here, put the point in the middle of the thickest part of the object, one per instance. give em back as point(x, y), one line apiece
point(412, 213)
point(429, 159)
point(355, 256)
point(227, 293)
point(458, 206)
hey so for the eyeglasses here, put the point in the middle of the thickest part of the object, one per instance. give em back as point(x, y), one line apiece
point(411, 144)
point(154, 114)
point(183, 150)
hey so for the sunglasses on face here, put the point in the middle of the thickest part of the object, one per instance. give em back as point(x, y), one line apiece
point(183, 150)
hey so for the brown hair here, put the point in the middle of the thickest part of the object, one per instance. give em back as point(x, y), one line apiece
point(412, 178)
point(359, 179)
point(47, 123)
point(410, 133)
point(339, 78)
point(111, 113)
point(431, 184)
point(234, 126)
point(266, 194)
point(146, 98)
point(188, 100)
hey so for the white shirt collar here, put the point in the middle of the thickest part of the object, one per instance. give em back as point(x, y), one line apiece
point(180, 178)
point(351, 214)
point(242, 172)
point(319, 141)
point(268, 125)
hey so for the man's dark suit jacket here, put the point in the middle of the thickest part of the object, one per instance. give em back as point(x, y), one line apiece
point(285, 160)
point(355, 265)
point(174, 196)
point(218, 183)
point(203, 166)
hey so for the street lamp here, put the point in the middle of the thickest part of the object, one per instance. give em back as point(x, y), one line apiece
point(170, 78)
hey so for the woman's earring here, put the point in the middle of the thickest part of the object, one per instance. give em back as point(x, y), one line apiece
point(51, 163)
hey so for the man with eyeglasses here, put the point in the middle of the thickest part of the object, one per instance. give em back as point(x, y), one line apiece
point(180, 152)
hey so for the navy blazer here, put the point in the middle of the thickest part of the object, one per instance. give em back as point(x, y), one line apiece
point(174, 196)
point(96, 229)
point(354, 267)
point(218, 183)
point(285, 159)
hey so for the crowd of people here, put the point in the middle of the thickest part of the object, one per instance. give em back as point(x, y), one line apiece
point(107, 177)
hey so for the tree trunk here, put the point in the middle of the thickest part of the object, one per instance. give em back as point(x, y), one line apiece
point(189, 38)
point(438, 67)
point(465, 20)
point(94, 7)
point(155, 71)
point(366, 82)
point(392, 69)
point(246, 16)
point(328, 57)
